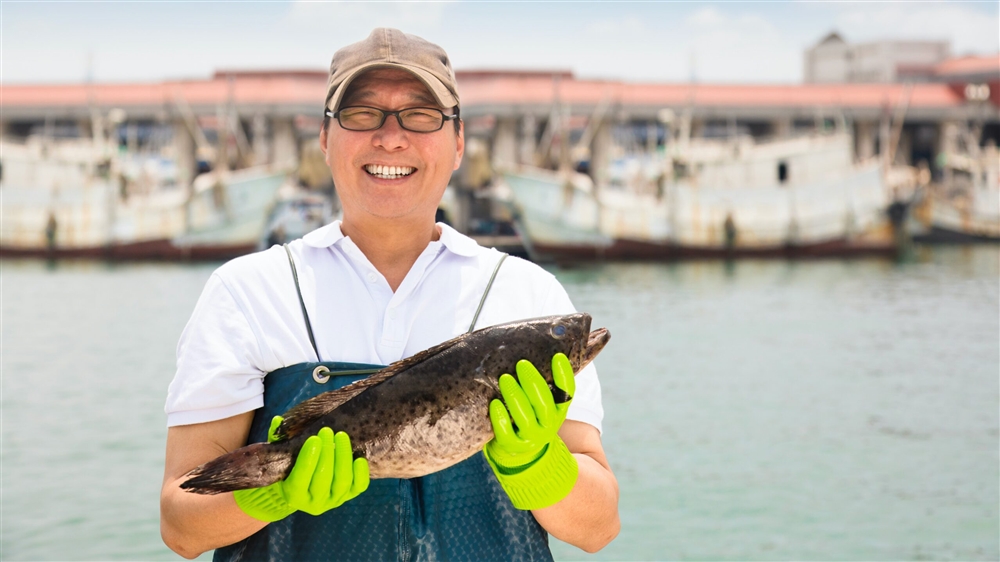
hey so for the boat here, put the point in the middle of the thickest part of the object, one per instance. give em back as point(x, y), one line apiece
point(297, 212)
point(790, 197)
point(965, 206)
point(77, 198)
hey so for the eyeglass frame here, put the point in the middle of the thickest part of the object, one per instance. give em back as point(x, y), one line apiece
point(385, 114)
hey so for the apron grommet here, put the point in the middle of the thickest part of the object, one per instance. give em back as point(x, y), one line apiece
point(318, 375)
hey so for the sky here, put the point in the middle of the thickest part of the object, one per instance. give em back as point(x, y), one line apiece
point(721, 42)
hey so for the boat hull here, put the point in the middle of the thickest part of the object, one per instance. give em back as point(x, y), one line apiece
point(165, 250)
point(639, 250)
point(968, 220)
point(965, 207)
point(558, 219)
point(224, 217)
point(941, 235)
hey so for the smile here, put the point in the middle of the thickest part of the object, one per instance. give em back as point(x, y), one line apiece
point(389, 172)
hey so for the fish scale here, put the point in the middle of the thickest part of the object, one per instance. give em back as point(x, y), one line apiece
point(417, 416)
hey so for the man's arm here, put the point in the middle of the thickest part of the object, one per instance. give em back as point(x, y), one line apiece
point(191, 524)
point(588, 517)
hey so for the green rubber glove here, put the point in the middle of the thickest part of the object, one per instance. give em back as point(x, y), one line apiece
point(325, 475)
point(532, 463)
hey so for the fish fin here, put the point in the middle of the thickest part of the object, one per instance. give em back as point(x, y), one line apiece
point(301, 416)
point(253, 466)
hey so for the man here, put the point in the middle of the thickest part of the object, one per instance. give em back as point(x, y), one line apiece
point(381, 285)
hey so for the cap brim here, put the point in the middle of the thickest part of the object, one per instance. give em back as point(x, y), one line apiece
point(441, 93)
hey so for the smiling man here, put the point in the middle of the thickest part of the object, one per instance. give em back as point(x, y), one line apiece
point(274, 328)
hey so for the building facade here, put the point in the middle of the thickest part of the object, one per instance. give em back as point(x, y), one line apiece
point(835, 61)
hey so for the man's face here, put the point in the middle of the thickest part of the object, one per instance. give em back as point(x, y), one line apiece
point(353, 156)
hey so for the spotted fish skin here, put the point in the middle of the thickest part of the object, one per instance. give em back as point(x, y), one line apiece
point(417, 416)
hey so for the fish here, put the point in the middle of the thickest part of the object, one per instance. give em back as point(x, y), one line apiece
point(416, 416)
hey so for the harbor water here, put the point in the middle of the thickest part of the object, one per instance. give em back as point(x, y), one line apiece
point(755, 410)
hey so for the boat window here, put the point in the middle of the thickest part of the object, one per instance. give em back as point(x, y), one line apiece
point(782, 172)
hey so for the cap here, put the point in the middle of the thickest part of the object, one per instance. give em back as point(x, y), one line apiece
point(391, 48)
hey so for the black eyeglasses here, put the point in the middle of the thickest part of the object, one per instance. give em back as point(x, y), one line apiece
point(415, 119)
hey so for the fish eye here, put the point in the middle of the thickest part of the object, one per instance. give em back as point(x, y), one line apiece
point(559, 330)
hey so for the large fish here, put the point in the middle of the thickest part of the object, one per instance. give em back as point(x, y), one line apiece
point(416, 416)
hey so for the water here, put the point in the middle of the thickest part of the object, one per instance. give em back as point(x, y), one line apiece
point(755, 411)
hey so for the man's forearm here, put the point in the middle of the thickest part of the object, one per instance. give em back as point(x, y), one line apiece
point(191, 524)
point(194, 523)
point(588, 517)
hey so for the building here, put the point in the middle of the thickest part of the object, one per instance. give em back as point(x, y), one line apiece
point(835, 61)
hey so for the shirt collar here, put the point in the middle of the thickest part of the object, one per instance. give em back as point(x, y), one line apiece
point(453, 240)
point(324, 236)
point(458, 243)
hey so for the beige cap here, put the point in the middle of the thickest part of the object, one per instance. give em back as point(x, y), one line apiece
point(391, 48)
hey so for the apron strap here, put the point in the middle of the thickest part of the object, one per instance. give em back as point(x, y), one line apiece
point(486, 292)
point(302, 303)
point(305, 314)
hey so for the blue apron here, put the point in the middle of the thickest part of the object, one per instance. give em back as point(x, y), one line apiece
point(460, 513)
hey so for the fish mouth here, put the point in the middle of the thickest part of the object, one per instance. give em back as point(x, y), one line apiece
point(595, 343)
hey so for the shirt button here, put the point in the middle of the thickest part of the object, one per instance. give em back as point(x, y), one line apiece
point(392, 314)
point(372, 278)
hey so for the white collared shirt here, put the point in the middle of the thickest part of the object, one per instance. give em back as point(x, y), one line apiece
point(248, 320)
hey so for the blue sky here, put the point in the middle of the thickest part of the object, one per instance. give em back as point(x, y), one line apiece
point(748, 42)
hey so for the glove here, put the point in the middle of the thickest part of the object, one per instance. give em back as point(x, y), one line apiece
point(532, 463)
point(325, 475)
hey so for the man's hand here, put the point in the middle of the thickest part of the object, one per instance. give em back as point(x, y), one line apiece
point(325, 475)
point(531, 462)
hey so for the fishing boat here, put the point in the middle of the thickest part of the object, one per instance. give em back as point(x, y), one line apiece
point(795, 197)
point(78, 198)
point(965, 206)
point(296, 213)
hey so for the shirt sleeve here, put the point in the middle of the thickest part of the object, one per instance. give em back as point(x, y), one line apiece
point(586, 406)
point(217, 362)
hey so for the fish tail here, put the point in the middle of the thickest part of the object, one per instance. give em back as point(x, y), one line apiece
point(253, 466)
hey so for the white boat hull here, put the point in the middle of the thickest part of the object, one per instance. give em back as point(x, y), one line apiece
point(843, 211)
point(59, 207)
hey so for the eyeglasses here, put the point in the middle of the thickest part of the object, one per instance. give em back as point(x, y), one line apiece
point(415, 119)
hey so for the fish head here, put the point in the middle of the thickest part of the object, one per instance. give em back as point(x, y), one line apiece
point(570, 335)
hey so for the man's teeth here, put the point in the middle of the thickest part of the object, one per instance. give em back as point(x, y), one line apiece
point(388, 172)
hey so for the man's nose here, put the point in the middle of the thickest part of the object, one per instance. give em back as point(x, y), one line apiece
point(391, 135)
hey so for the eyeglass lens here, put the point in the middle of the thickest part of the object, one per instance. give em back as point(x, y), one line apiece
point(417, 119)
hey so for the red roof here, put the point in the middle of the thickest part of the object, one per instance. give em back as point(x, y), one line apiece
point(540, 90)
point(246, 89)
point(307, 89)
point(988, 64)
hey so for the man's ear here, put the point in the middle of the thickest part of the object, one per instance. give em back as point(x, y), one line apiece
point(460, 144)
point(322, 142)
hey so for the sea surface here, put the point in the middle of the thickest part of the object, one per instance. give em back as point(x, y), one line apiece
point(756, 410)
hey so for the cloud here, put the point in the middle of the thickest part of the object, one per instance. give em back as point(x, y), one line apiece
point(968, 27)
point(669, 42)
point(611, 27)
point(737, 46)
point(654, 41)
point(358, 18)
point(706, 17)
